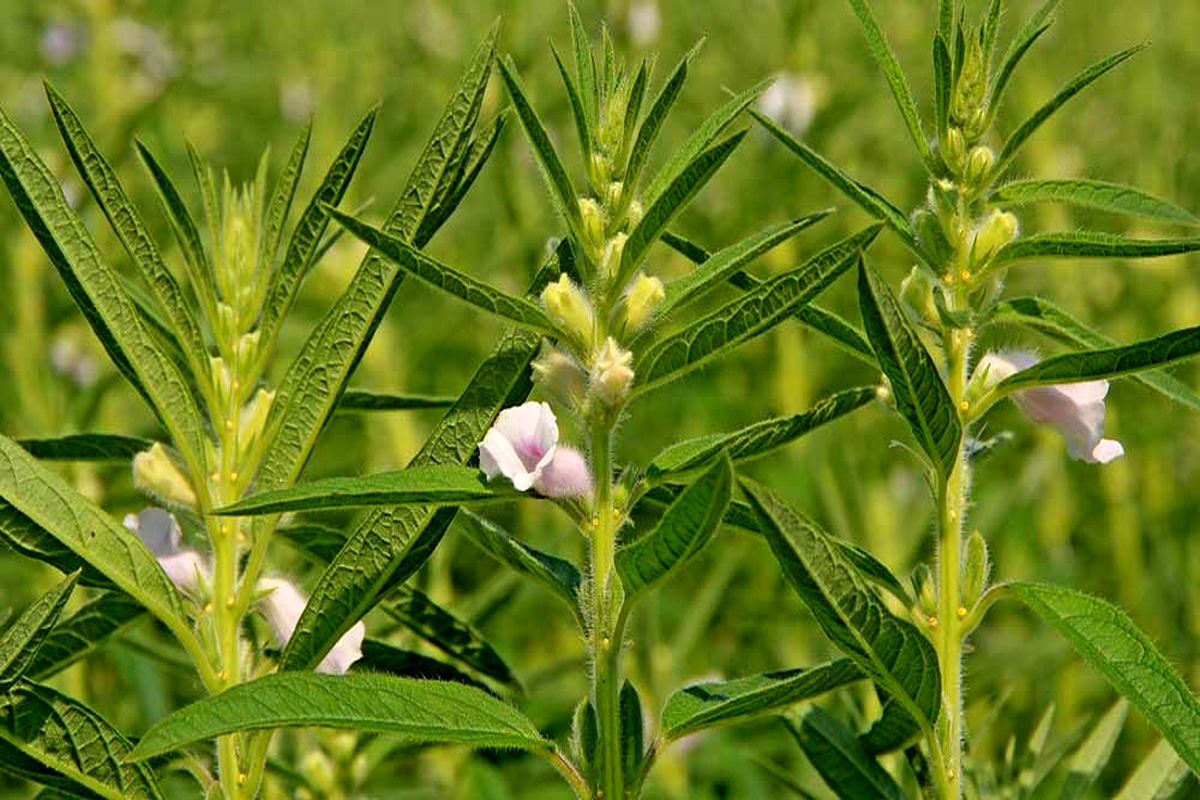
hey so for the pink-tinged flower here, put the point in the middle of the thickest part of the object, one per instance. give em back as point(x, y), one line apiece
point(523, 447)
point(1076, 410)
point(159, 531)
point(282, 607)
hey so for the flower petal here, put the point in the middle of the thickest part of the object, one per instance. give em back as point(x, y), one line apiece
point(567, 475)
point(347, 650)
point(157, 529)
point(1105, 451)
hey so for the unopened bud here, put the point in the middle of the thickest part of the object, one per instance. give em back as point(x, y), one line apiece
point(156, 473)
point(975, 570)
point(569, 307)
point(923, 588)
point(997, 230)
point(931, 236)
point(644, 295)
point(954, 150)
point(599, 169)
point(916, 292)
point(610, 261)
point(254, 420)
point(592, 216)
point(634, 214)
point(560, 374)
point(612, 195)
point(612, 372)
point(247, 352)
point(979, 164)
point(971, 85)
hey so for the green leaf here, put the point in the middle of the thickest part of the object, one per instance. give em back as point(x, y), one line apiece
point(1030, 32)
point(282, 197)
point(24, 536)
point(48, 502)
point(727, 262)
point(557, 180)
point(867, 198)
point(652, 124)
point(708, 705)
point(673, 200)
point(1107, 363)
point(1089, 244)
point(80, 634)
point(921, 397)
point(632, 731)
point(96, 289)
point(889, 650)
point(637, 94)
point(1045, 317)
point(1109, 641)
point(438, 485)
point(1093, 755)
point(556, 574)
point(361, 400)
point(585, 67)
point(1078, 84)
point(380, 657)
point(127, 223)
point(700, 139)
point(1093, 194)
point(285, 281)
point(748, 316)
point(55, 741)
point(839, 758)
point(989, 29)
point(755, 440)
point(1157, 777)
point(422, 711)
point(478, 153)
point(881, 51)
point(457, 639)
point(686, 527)
point(942, 83)
point(313, 383)
point(578, 112)
point(448, 279)
point(20, 643)
point(86, 447)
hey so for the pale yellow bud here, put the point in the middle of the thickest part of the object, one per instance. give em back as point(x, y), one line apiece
point(954, 150)
point(155, 472)
point(600, 169)
point(610, 261)
point(997, 230)
point(569, 307)
point(612, 372)
point(644, 295)
point(916, 292)
point(592, 216)
point(612, 195)
point(634, 214)
point(979, 164)
point(560, 374)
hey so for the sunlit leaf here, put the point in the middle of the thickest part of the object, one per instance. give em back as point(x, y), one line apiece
point(1093, 755)
point(1093, 194)
point(1090, 244)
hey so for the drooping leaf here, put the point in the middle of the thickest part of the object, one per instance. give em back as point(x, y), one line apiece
point(435, 485)
point(686, 527)
point(708, 705)
point(21, 641)
point(362, 400)
point(921, 396)
point(558, 575)
point(1108, 640)
point(1157, 777)
point(1093, 755)
point(447, 279)
point(891, 651)
point(381, 657)
point(1093, 194)
point(839, 758)
point(81, 633)
point(1033, 28)
point(86, 447)
point(426, 711)
point(1090, 244)
point(1045, 317)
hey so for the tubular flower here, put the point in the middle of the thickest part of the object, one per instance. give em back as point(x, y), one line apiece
point(1075, 410)
point(282, 606)
point(523, 447)
point(159, 531)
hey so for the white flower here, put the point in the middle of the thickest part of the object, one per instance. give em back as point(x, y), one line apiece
point(644, 21)
point(1076, 410)
point(791, 101)
point(159, 531)
point(523, 447)
point(282, 607)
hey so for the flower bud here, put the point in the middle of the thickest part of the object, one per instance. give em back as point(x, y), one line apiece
point(612, 194)
point(971, 85)
point(599, 169)
point(247, 352)
point(612, 372)
point(997, 230)
point(975, 570)
point(560, 374)
point(979, 164)
point(916, 292)
point(254, 421)
point(634, 214)
point(923, 588)
point(931, 236)
point(644, 295)
point(155, 472)
point(592, 216)
point(610, 261)
point(569, 307)
point(954, 150)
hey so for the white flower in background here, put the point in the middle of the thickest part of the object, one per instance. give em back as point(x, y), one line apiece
point(282, 607)
point(297, 100)
point(69, 358)
point(1076, 410)
point(159, 531)
point(523, 447)
point(791, 101)
point(644, 21)
point(60, 42)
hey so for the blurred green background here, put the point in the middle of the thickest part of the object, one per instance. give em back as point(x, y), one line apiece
point(234, 78)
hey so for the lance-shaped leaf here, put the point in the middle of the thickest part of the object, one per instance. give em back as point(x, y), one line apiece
point(881, 51)
point(49, 503)
point(845, 767)
point(1108, 640)
point(727, 262)
point(422, 711)
point(20, 643)
point(943, 81)
point(306, 237)
point(282, 197)
point(889, 650)
point(1095, 751)
point(449, 280)
point(86, 447)
point(578, 112)
point(1157, 777)
point(1077, 85)
point(652, 124)
point(314, 381)
point(585, 66)
point(1030, 32)
point(435, 485)
point(556, 574)
point(673, 200)
point(1089, 244)
point(380, 657)
point(80, 634)
point(709, 705)
point(867, 198)
point(750, 315)
point(921, 397)
point(127, 223)
point(703, 136)
point(457, 639)
point(687, 526)
point(1107, 363)
point(360, 400)
point(755, 440)
point(1100, 195)
point(1045, 317)
point(58, 742)
point(477, 154)
point(97, 290)
point(26, 537)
